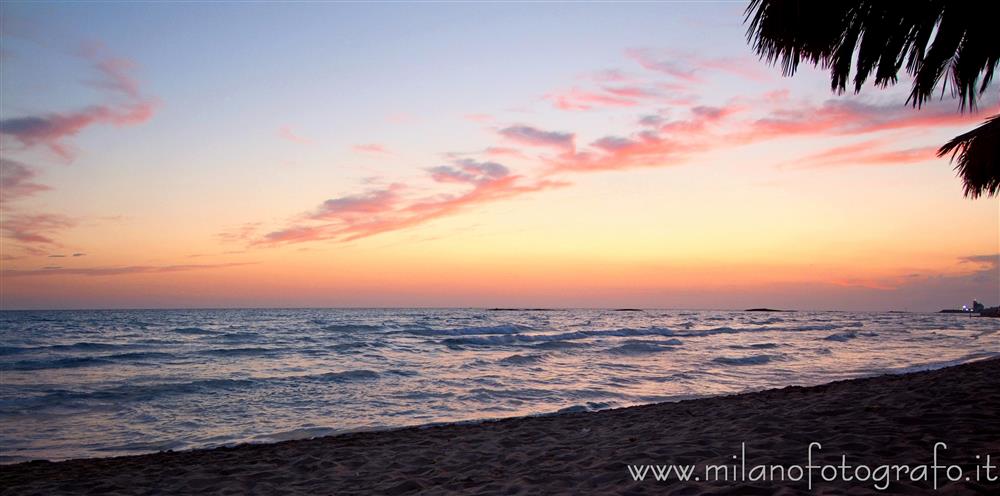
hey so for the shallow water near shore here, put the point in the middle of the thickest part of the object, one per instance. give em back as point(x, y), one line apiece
point(104, 383)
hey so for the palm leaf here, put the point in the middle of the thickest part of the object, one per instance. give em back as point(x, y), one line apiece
point(978, 158)
point(941, 42)
point(938, 42)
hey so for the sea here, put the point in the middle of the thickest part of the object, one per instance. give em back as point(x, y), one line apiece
point(77, 384)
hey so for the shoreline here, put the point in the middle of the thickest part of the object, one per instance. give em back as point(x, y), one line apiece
point(894, 418)
point(332, 432)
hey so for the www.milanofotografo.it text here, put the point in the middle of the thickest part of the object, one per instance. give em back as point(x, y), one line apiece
point(880, 477)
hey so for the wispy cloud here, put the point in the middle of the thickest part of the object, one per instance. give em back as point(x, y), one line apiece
point(850, 116)
point(579, 99)
point(666, 142)
point(371, 148)
point(50, 130)
point(982, 279)
point(988, 261)
point(689, 69)
point(116, 271)
point(17, 181)
point(116, 73)
point(479, 117)
point(286, 133)
point(659, 141)
point(503, 151)
point(868, 152)
point(377, 211)
point(672, 130)
point(239, 233)
point(530, 136)
point(35, 228)
point(670, 65)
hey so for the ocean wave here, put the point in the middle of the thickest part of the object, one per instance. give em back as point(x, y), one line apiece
point(154, 391)
point(424, 395)
point(352, 328)
point(505, 329)
point(82, 346)
point(560, 345)
point(747, 360)
point(507, 339)
point(14, 350)
point(846, 336)
point(56, 363)
point(772, 320)
point(522, 359)
point(195, 331)
point(738, 330)
point(86, 346)
point(643, 347)
point(521, 394)
point(121, 394)
point(301, 433)
point(356, 345)
point(239, 337)
point(143, 446)
point(238, 351)
point(590, 406)
point(140, 355)
point(345, 376)
point(755, 346)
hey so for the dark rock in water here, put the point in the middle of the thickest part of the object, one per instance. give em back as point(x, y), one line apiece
point(627, 310)
point(766, 310)
point(990, 312)
point(951, 310)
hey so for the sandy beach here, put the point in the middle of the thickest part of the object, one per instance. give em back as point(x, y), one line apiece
point(877, 421)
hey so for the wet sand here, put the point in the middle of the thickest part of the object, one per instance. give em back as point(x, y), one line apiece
point(878, 421)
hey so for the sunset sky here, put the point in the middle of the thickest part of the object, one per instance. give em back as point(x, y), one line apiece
point(569, 155)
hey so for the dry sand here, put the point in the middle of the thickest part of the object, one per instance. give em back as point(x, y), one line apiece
point(883, 420)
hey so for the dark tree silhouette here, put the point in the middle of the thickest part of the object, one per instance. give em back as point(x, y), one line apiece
point(937, 41)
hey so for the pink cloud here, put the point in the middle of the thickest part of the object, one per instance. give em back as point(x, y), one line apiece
point(577, 99)
point(469, 171)
point(622, 95)
point(49, 130)
point(240, 233)
point(400, 118)
point(673, 66)
point(367, 203)
point(530, 136)
point(631, 91)
point(690, 69)
point(479, 117)
point(117, 76)
point(16, 181)
point(286, 133)
point(370, 148)
point(610, 76)
point(662, 143)
point(658, 141)
point(646, 149)
point(841, 116)
point(502, 151)
point(379, 211)
point(35, 228)
point(869, 152)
